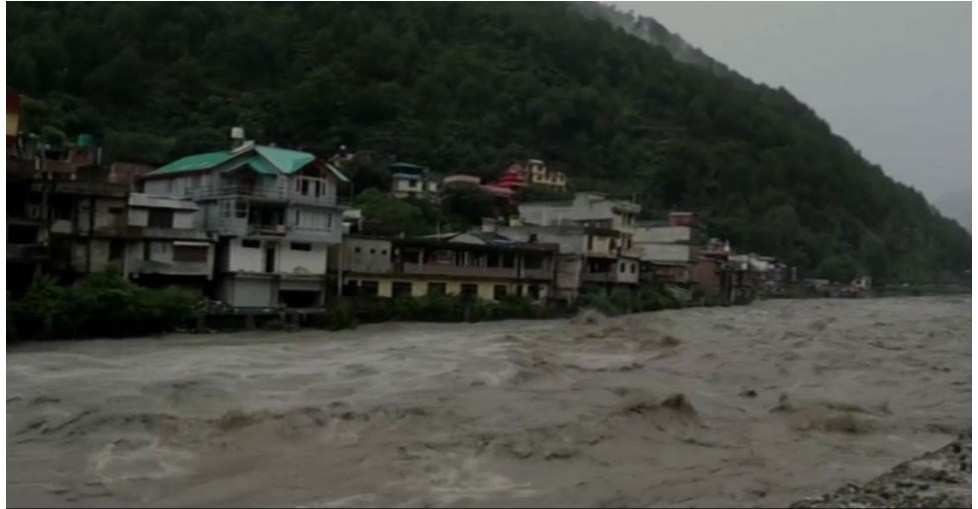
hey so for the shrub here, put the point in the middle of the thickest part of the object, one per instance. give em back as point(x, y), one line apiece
point(340, 316)
point(105, 305)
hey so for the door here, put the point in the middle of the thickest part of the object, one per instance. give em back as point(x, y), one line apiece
point(270, 258)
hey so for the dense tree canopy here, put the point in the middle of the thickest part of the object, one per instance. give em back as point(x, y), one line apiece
point(466, 87)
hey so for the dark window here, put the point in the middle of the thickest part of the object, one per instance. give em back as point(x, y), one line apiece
point(160, 218)
point(533, 261)
point(369, 288)
point(499, 292)
point(590, 243)
point(633, 268)
point(519, 290)
point(401, 289)
point(492, 260)
point(509, 261)
point(251, 243)
point(190, 253)
point(459, 258)
point(116, 249)
point(146, 250)
point(356, 250)
point(469, 291)
point(383, 251)
point(373, 251)
point(533, 291)
point(436, 288)
point(621, 267)
point(115, 211)
point(301, 246)
point(350, 288)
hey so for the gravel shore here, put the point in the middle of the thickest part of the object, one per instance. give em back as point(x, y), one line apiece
point(937, 479)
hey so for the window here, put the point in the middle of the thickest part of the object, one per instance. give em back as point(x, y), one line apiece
point(146, 250)
point(329, 221)
point(301, 246)
point(383, 251)
point(189, 253)
point(622, 268)
point(590, 243)
point(509, 261)
point(251, 243)
point(533, 291)
point(240, 209)
point(116, 249)
point(519, 290)
point(436, 289)
point(356, 249)
point(401, 289)
point(373, 251)
point(492, 260)
point(469, 291)
point(499, 292)
point(533, 262)
point(115, 211)
point(634, 268)
point(297, 217)
point(160, 218)
point(369, 288)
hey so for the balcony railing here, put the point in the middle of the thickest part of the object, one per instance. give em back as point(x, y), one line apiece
point(438, 269)
point(264, 192)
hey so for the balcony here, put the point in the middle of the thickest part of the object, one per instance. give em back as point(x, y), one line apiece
point(170, 268)
point(267, 192)
point(26, 252)
point(440, 269)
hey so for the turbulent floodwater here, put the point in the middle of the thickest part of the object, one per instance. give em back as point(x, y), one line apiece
point(744, 406)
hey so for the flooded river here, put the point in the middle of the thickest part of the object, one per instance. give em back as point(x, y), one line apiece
point(744, 406)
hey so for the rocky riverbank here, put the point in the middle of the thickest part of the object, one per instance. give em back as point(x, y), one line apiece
point(937, 479)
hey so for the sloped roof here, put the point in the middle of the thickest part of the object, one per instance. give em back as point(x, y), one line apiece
point(266, 160)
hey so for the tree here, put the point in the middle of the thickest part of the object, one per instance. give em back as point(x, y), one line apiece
point(468, 202)
point(384, 214)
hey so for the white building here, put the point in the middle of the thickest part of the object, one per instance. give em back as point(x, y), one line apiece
point(275, 214)
point(164, 241)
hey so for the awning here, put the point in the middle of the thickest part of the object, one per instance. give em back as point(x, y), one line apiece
point(191, 243)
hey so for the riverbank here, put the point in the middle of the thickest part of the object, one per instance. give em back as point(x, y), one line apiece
point(750, 406)
point(939, 479)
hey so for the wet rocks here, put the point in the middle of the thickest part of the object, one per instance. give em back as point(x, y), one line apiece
point(938, 479)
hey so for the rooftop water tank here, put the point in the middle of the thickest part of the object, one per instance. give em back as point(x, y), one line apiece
point(86, 140)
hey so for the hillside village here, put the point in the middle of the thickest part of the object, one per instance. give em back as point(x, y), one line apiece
point(262, 227)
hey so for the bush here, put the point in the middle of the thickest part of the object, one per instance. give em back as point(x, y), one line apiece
point(101, 305)
point(340, 316)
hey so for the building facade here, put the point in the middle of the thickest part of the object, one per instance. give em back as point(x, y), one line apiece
point(274, 213)
point(386, 267)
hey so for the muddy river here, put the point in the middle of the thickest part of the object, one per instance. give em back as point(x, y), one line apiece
point(759, 405)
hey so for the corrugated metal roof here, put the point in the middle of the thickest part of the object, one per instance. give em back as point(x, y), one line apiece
point(267, 160)
point(192, 163)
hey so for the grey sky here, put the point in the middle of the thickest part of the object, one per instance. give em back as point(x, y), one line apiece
point(893, 78)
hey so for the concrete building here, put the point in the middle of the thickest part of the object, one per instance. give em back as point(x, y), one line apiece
point(274, 212)
point(537, 174)
point(668, 249)
point(412, 180)
point(164, 246)
point(388, 267)
point(598, 229)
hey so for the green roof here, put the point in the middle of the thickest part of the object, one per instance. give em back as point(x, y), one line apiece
point(266, 160)
point(408, 166)
point(193, 163)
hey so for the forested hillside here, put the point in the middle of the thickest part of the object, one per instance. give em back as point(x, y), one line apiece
point(465, 87)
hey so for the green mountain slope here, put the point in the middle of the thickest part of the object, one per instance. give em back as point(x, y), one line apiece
point(464, 87)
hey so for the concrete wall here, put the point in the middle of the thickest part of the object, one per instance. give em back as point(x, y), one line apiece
point(244, 259)
point(160, 259)
point(628, 270)
point(99, 254)
point(293, 261)
point(667, 252)
point(663, 234)
point(371, 256)
point(104, 216)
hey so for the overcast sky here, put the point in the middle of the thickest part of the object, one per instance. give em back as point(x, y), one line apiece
point(893, 78)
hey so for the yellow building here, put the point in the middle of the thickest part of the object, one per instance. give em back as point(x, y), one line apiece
point(383, 267)
point(538, 174)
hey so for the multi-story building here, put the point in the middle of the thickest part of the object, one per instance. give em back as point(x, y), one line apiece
point(599, 229)
point(274, 212)
point(537, 174)
point(412, 180)
point(668, 249)
point(467, 266)
point(164, 244)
